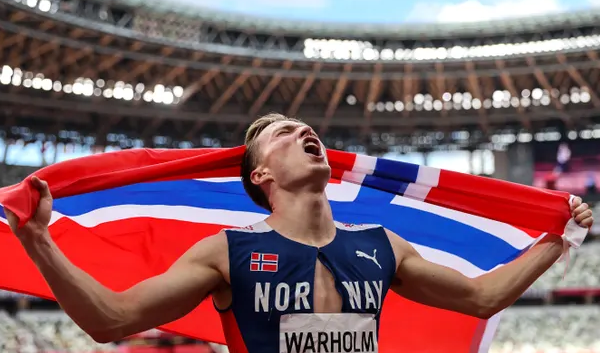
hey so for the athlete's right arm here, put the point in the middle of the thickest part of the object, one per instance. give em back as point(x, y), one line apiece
point(107, 315)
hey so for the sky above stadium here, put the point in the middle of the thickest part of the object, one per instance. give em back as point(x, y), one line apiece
point(394, 11)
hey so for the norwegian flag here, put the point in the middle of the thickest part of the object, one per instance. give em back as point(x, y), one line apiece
point(115, 215)
point(264, 262)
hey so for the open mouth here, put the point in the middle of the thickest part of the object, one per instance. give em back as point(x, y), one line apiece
point(312, 148)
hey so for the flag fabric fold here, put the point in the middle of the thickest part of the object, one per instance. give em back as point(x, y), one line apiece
point(128, 215)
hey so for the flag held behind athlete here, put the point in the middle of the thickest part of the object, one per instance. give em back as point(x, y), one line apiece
point(125, 216)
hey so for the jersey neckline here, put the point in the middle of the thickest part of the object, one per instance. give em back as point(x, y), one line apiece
point(263, 225)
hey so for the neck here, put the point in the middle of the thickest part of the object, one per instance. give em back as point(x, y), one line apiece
point(304, 216)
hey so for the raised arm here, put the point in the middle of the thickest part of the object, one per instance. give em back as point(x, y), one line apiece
point(425, 282)
point(107, 315)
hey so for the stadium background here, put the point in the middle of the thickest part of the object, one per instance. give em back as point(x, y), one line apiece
point(515, 99)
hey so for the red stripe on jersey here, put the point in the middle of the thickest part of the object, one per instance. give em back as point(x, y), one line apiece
point(233, 336)
point(478, 336)
point(270, 257)
point(255, 256)
point(254, 266)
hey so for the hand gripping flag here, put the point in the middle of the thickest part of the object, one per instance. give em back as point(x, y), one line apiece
point(125, 216)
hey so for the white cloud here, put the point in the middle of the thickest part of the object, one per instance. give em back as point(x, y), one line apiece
point(475, 11)
point(594, 2)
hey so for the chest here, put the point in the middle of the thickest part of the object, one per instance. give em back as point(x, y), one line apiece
point(348, 294)
point(309, 280)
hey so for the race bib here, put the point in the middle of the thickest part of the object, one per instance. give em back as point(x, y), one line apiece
point(328, 333)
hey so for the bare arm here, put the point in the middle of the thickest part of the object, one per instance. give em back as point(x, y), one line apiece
point(107, 315)
point(434, 285)
point(439, 286)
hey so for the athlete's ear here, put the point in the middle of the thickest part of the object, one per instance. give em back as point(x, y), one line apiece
point(260, 175)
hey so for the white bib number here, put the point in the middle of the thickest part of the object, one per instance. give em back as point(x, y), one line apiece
point(328, 333)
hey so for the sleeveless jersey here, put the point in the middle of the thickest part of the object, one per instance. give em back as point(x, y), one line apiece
point(272, 284)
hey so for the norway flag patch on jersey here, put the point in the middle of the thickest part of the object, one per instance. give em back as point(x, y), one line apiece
point(264, 262)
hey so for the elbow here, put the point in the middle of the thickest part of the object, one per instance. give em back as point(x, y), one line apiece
point(486, 312)
point(105, 336)
point(112, 325)
point(485, 306)
point(103, 339)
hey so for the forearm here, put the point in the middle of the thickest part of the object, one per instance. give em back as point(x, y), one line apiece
point(95, 308)
point(502, 287)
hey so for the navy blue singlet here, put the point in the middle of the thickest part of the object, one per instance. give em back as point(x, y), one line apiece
point(272, 281)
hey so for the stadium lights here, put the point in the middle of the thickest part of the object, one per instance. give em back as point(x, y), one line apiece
point(360, 50)
point(42, 5)
point(525, 137)
point(87, 87)
point(161, 94)
point(464, 100)
point(572, 135)
point(45, 5)
point(351, 100)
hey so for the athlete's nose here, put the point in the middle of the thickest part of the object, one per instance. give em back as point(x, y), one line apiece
point(306, 131)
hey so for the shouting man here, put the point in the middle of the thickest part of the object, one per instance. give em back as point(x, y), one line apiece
point(314, 285)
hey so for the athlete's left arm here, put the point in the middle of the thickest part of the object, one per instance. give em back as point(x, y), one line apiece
point(431, 284)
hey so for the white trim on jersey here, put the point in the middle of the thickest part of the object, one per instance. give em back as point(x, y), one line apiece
point(260, 227)
point(355, 227)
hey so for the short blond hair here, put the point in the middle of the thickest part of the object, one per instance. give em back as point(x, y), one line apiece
point(251, 158)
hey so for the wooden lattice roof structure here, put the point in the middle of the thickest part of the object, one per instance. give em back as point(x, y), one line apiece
point(231, 71)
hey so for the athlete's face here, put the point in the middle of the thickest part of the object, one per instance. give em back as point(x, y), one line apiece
point(291, 154)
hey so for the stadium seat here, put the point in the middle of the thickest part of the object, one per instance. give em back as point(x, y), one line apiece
point(572, 329)
point(14, 337)
point(583, 271)
point(43, 332)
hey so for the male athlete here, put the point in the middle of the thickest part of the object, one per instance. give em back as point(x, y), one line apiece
point(327, 290)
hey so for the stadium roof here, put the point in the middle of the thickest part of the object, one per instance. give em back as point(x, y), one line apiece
point(366, 30)
point(78, 69)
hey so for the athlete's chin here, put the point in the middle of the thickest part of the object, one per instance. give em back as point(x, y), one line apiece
point(316, 174)
point(320, 174)
point(320, 169)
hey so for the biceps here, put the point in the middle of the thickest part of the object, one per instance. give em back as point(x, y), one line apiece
point(427, 283)
point(169, 296)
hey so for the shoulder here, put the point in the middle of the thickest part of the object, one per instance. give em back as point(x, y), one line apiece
point(209, 253)
point(402, 248)
point(210, 248)
point(398, 242)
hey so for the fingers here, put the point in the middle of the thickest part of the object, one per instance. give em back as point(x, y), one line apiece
point(581, 212)
point(577, 201)
point(10, 216)
point(41, 186)
point(587, 222)
point(13, 220)
point(583, 216)
point(580, 209)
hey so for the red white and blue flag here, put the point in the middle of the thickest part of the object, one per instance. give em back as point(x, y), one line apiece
point(264, 262)
point(125, 216)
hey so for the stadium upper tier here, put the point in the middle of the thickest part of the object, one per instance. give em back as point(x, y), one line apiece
point(60, 57)
point(191, 27)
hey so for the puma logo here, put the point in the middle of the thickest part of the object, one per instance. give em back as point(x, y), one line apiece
point(369, 257)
